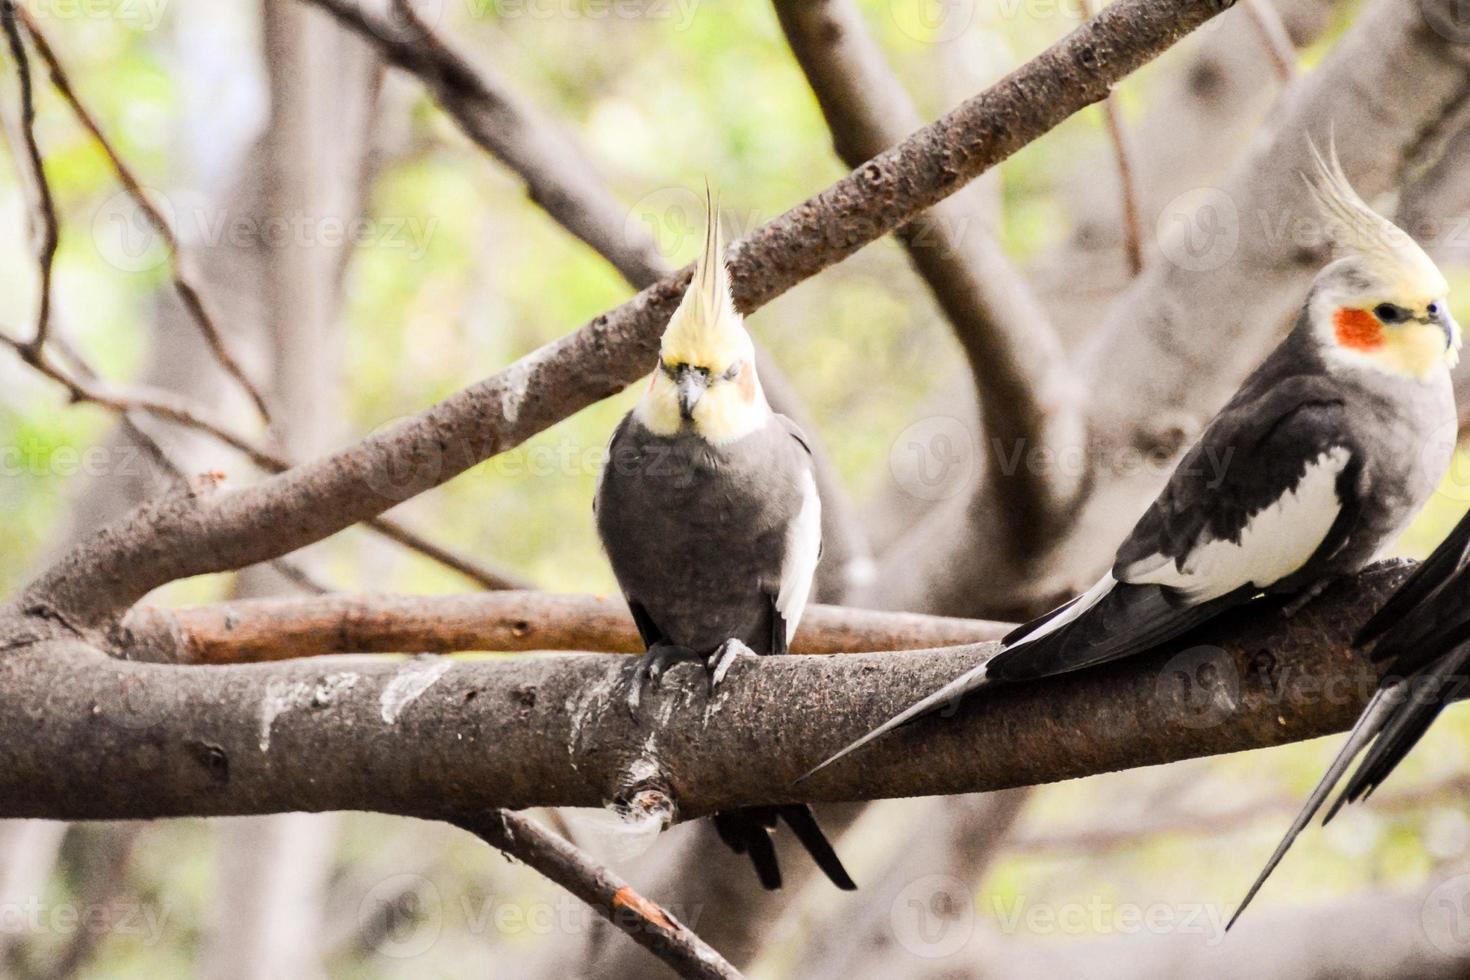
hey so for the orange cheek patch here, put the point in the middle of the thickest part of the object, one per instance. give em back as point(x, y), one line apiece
point(1357, 329)
point(746, 383)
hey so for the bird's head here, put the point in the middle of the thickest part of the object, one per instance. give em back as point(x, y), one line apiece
point(1382, 304)
point(705, 381)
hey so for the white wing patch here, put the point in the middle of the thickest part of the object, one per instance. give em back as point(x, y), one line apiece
point(1276, 541)
point(803, 548)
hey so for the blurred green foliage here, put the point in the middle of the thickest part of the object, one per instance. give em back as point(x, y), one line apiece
point(661, 107)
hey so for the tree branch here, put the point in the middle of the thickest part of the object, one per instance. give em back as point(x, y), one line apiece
point(1234, 271)
point(432, 736)
point(551, 163)
point(127, 401)
point(191, 534)
point(1274, 37)
point(649, 925)
point(1027, 393)
point(45, 206)
point(252, 631)
point(504, 126)
point(188, 295)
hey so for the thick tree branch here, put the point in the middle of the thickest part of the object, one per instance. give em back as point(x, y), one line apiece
point(128, 401)
point(433, 737)
point(552, 164)
point(649, 925)
point(1236, 259)
point(191, 534)
point(251, 631)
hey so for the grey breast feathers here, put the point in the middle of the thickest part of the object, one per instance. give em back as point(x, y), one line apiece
point(697, 534)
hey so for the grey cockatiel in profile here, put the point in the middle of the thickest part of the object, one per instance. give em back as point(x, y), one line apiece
point(709, 513)
point(1311, 471)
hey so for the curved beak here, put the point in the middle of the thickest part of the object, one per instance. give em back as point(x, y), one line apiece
point(1449, 326)
point(690, 384)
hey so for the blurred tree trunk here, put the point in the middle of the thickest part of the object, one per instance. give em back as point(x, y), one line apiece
point(272, 872)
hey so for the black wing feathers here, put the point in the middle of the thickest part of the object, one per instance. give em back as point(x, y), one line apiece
point(1256, 450)
point(1436, 590)
point(1253, 453)
point(1130, 619)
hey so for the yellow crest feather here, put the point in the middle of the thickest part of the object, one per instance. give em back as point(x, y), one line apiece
point(1385, 249)
point(706, 329)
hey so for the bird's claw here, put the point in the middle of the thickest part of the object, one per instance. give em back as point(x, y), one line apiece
point(1304, 598)
point(719, 662)
point(651, 668)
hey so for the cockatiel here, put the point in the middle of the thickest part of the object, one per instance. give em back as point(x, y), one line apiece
point(1329, 449)
point(1423, 635)
point(709, 514)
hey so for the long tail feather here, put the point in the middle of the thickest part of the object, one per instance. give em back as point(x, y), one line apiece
point(957, 688)
point(803, 824)
point(1427, 694)
point(1368, 725)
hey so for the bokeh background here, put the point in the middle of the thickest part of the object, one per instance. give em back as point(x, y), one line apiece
point(458, 273)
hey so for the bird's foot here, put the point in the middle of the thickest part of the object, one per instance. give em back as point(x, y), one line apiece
point(659, 658)
point(718, 663)
point(1304, 598)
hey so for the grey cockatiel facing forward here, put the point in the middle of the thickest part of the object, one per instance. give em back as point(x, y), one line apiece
point(709, 513)
point(1316, 465)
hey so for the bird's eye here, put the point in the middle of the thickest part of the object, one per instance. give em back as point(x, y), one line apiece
point(669, 369)
point(733, 371)
point(1432, 309)
point(1389, 313)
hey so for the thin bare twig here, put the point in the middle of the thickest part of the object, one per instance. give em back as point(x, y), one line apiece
point(85, 386)
point(1127, 189)
point(300, 577)
point(644, 921)
point(45, 206)
point(1027, 395)
point(188, 294)
point(1274, 36)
